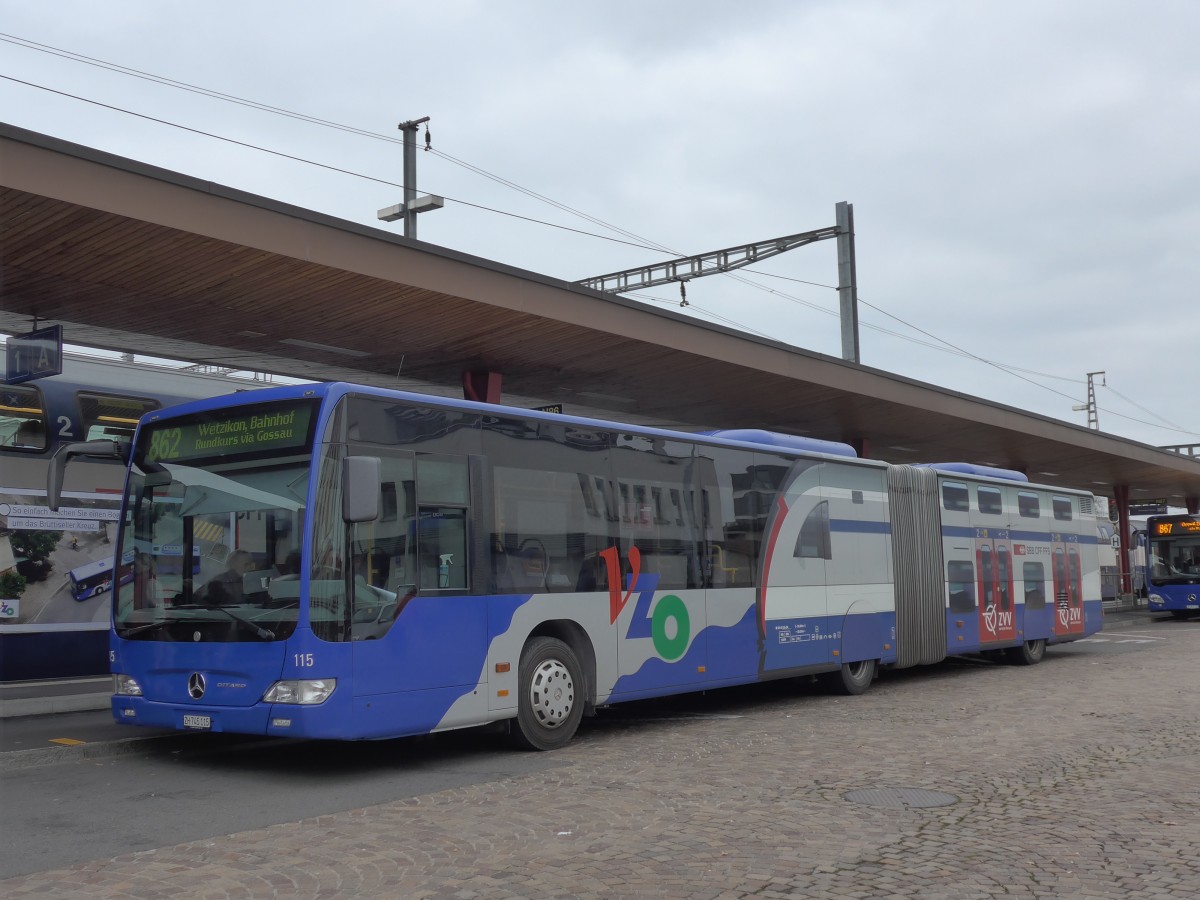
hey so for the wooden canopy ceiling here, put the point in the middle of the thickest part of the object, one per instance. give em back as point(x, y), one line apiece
point(131, 257)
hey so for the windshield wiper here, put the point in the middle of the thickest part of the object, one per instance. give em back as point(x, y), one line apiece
point(265, 633)
point(138, 629)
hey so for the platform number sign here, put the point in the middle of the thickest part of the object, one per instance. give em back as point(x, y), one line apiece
point(34, 355)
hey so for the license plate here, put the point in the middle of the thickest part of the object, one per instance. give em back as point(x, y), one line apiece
point(204, 722)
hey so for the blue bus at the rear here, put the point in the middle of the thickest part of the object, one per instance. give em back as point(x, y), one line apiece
point(1173, 565)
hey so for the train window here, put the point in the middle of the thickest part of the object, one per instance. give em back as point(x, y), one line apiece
point(105, 416)
point(990, 500)
point(1062, 508)
point(955, 497)
point(1029, 505)
point(960, 579)
point(1034, 576)
point(22, 418)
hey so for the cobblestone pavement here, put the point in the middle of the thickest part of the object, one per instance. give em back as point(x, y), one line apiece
point(1079, 777)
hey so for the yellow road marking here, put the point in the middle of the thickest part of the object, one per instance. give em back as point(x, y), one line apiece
point(67, 742)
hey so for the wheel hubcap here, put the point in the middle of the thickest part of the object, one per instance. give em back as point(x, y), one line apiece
point(551, 693)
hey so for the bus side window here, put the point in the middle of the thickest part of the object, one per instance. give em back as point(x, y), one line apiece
point(955, 497)
point(1063, 509)
point(814, 539)
point(442, 548)
point(1033, 574)
point(443, 492)
point(960, 579)
point(1028, 505)
point(990, 500)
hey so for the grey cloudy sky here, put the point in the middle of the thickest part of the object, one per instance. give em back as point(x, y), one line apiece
point(1025, 174)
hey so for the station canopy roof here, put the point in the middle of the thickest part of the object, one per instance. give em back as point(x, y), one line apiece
point(136, 258)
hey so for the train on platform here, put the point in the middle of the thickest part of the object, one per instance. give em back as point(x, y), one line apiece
point(50, 563)
point(402, 564)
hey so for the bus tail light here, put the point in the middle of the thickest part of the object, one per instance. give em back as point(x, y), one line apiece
point(303, 692)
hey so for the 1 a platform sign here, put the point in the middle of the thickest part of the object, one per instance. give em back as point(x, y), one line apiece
point(34, 355)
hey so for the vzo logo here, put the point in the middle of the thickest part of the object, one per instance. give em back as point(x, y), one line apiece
point(669, 626)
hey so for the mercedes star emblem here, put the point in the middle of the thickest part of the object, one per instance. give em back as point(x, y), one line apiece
point(196, 685)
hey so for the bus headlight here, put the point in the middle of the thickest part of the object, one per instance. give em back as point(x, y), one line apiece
point(1155, 598)
point(305, 692)
point(126, 686)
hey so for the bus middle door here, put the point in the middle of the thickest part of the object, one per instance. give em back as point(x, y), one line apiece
point(997, 619)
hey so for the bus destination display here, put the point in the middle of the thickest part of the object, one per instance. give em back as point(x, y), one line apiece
point(1179, 526)
point(274, 429)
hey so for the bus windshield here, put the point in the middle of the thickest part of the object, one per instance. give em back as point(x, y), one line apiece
point(239, 518)
point(1176, 560)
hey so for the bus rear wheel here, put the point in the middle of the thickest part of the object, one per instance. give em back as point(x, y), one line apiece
point(1030, 653)
point(549, 695)
point(853, 678)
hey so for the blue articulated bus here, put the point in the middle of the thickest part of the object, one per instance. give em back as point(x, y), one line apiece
point(1173, 569)
point(398, 564)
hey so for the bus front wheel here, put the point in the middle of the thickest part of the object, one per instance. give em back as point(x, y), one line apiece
point(550, 695)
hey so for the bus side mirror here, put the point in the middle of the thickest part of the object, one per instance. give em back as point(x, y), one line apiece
point(101, 449)
point(360, 488)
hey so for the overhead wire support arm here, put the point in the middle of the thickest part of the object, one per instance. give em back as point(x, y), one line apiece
point(712, 263)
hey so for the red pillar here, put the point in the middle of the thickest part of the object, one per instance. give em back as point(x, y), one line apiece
point(482, 386)
point(1121, 498)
